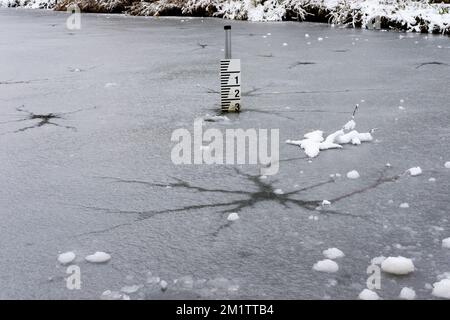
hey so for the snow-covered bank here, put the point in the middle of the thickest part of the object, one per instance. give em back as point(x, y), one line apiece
point(32, 4)
point(409, 15)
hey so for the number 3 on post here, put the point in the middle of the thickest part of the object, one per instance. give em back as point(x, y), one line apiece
point(230, 85)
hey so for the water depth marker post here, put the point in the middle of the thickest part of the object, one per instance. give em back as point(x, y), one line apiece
point(230, 78)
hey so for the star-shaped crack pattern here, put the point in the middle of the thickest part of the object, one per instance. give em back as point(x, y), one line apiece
point(40, 120)
point(263, 191)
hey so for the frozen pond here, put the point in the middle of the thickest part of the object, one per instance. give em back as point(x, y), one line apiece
point(86, 119)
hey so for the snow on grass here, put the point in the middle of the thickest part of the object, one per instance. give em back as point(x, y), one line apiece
point(415, 171)
point(404, 205)
point(32, 4)
point(326, 265)
point(441, 289)
point(397, 265)
point(409, 15)
point(66, 257)
point(233, 216)
point(367, 294)
point(446, 243)
point(353, 174)
point(98, 257)
point(407, 294)
point(333, 253)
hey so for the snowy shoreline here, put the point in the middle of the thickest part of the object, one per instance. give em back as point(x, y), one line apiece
point(406, 15)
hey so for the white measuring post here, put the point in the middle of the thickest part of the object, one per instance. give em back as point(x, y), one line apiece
point(230, 78)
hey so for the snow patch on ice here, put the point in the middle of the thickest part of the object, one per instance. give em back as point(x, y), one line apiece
point(233, 216)
point(66, 257)
point(415, 171)
point(326, 265)
point(98, 257)
point(367, 294)
point(446, 243)
point(397, 265)
point(333, 253)
point(278, 191)
point(407, 294)
point(314, 141)
point(441, 289)
point(353, 174)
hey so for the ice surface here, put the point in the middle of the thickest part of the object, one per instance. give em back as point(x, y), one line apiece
point(378, 260)
point(131, 289)
point(350, 125)
point(397, 265)
point(55, 196)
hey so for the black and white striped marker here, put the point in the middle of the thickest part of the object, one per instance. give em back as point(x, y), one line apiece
point(230, 78)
